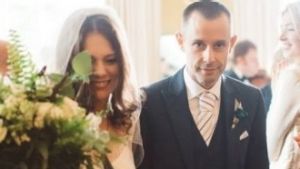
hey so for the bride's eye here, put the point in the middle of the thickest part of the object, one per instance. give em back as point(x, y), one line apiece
point(111, 59)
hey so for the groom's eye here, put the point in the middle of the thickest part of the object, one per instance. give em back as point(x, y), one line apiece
point(199, 45)
point(220, 45)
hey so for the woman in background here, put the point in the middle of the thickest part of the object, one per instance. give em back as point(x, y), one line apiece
point(283, 120)
point(99, 32)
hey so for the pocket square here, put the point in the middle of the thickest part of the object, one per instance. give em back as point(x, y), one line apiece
point(244, 135)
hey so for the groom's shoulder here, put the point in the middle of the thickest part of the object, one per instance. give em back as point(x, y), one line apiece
point(156, 87)
point(164, 84)
point(242, 88)
point(153, 92)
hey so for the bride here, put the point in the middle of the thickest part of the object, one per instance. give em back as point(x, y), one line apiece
point(99, 32)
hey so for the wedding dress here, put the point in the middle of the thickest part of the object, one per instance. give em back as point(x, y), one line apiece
point(122, 153)
point(124, 160)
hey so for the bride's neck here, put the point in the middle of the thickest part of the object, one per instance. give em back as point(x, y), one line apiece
point(100, 105)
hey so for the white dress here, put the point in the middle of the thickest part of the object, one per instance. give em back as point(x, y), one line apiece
point(122, 155)
point(283, 120)
point(125, 159)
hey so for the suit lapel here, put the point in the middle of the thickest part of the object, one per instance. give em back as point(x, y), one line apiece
point(228, 96)
point(180, 117)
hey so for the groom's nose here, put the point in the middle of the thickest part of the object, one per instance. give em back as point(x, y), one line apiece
point(208, 55)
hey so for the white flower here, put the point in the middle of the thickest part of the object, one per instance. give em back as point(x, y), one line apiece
point(70, 108)
point(24, 138)
point(235, 121)
point(17, 89)
point(11, 102)
point(3, 131)
point(42, 110)
point(237, 105)
point(44, 86)
point(21, 139)
point(239, 113)
point(2, 107)
point(28, 109)
point(94, 121)
point(56, 113)
point(64, 110)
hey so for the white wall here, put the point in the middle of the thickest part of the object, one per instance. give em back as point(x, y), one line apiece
point(38, 22)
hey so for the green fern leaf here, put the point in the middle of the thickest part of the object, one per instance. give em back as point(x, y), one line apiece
point(21, 69)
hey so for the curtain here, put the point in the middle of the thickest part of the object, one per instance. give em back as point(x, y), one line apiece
point(142, 23)
point(258, 21)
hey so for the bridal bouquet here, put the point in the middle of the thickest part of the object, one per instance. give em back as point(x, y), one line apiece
point(41, 126)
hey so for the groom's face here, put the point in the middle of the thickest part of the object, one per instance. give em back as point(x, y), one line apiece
point(206, 43)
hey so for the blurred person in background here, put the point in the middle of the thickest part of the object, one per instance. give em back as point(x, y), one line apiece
point(245, 62)
point(283, 120)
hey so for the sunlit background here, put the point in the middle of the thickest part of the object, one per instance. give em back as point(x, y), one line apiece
point(150, 24)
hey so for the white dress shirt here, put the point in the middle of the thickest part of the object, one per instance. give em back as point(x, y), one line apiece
point(193, 92)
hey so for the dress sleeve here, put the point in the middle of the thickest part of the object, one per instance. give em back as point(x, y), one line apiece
point(283, 111)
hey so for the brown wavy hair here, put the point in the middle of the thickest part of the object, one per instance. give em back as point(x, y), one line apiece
point(120, 118)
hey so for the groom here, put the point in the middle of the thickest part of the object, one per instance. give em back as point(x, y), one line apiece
point(199, 118)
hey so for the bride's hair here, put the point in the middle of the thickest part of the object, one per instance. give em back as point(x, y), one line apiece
point(125, 98)
point(293, 9)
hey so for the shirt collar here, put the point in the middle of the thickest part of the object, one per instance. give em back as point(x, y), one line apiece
point(194, 89)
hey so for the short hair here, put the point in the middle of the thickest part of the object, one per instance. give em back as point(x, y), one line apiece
point(208, 8)
point(242, 48)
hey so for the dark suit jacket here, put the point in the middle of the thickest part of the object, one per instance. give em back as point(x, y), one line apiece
point(167, 137)
point(233, 75)
point(267, 95)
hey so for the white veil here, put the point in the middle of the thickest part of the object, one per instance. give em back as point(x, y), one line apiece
point(294, 11)
point(68, 39)
point(69, 34)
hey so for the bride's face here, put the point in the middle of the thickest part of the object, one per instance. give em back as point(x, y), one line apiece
point(105, 66)
point(289, 37)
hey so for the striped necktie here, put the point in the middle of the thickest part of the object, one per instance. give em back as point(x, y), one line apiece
point(204, 122)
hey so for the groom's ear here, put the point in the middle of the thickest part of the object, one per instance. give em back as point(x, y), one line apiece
point(179, 38)
point(233, 40)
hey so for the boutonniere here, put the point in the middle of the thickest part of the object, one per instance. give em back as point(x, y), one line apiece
point(239, 113)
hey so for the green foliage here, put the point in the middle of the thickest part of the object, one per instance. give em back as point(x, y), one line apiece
point(66, 89)
point(82, 65)
point(21, 68)
point(41, 127)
